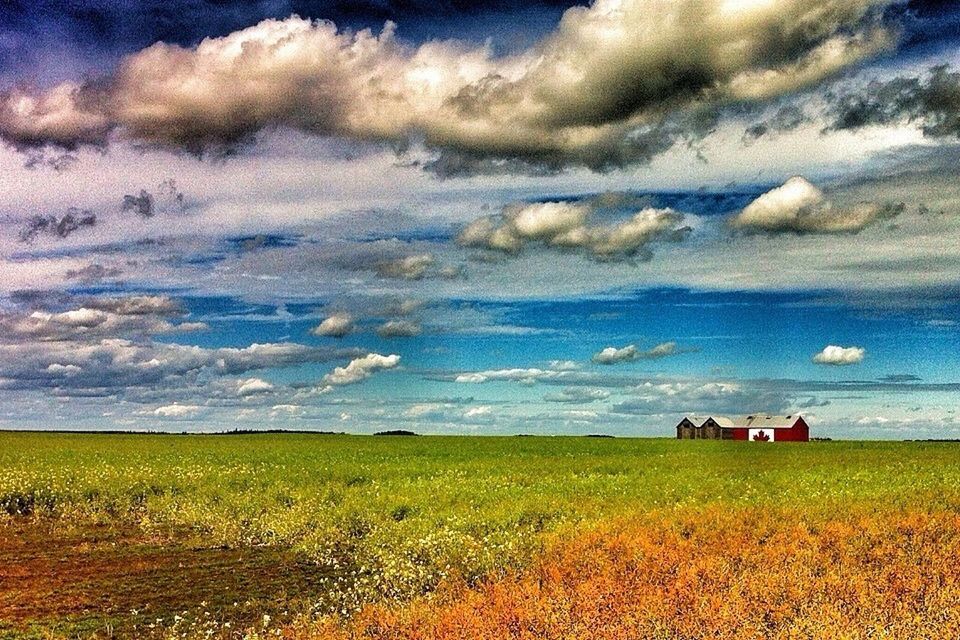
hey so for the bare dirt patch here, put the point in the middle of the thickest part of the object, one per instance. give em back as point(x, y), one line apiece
point(103, 581)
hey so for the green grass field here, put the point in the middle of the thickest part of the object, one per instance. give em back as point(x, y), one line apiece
point(355, 519)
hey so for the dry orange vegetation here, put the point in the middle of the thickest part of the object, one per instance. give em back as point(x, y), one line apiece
point(712, 573)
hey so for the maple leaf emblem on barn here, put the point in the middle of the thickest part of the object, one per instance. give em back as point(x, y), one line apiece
point(761, 436)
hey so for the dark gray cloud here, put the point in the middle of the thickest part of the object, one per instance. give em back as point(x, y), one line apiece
point(93, 273)
point(146, 204)
point(141, 204)
point(168, 199)
point(57, 227)
point(58, 162)
point(932, 101)
point(786, 118)
point(900, 377)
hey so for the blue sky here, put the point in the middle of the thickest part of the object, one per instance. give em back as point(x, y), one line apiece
point(488, 217)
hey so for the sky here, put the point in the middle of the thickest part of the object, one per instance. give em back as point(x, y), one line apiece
point(489, 217)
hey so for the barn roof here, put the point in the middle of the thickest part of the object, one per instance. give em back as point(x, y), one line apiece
point(753, 421)
point(756, 421)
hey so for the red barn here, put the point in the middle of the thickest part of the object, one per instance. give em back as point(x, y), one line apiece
point(756, 428)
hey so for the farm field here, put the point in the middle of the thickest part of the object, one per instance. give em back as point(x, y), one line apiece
point(325, 536)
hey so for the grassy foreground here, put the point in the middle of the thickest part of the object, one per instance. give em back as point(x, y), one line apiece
point(435, 537)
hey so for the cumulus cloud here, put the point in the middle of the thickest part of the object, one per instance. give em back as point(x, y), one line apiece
point(335, 326)
point(176, 411)
point(798, 206)
point(253, 386)
point(67, 116)
point(399, 329)
point(602, 90)
point(629, 353)
point(360, 369)
point(407, 268)
point(840, 356)
point(564, 225)
point(477, 412)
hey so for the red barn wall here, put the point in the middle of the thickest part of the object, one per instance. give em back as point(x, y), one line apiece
point(799, 432)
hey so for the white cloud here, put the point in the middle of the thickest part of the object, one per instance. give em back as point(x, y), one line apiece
point(545, 220)
point(564, 225)
point(335, 326)
point(564, 365)
point(360, 369)
point(613, 355)
point(524, 376)
point(798, 206)
point(177, 411)
point(577, 395)
point(407, 268)
point(399, 329)
point(253, 386)
point(63, 369)
point(840, 356)
point(56, 117)
point(477, 412)
point(629, 353)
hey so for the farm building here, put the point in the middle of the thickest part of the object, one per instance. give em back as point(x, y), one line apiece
point(758, 428)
